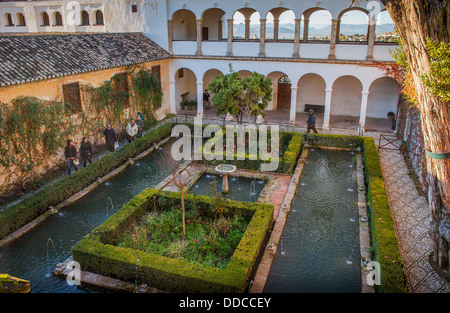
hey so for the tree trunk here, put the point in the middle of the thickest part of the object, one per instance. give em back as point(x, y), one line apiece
point(415, 21)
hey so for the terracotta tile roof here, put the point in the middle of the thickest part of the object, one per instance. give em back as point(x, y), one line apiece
point(28, 58)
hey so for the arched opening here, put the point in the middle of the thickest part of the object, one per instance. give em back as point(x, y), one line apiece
point(45, 20)
point(84, 18)
point(244, 73)
point(317, 25)
point(280, 24)
point(284, 93)
point(208, 77)
point(255, 26)
point(186, 90)
point(383, 97)
point(9, 19)
point(281, 91)
point(184, 25)
point(212, 24)
point(311, 93)
point(20, 19)
point(57, 17)
point(346, 102)
point(246, 24)
point(353, 26)
point(385, 28)
point(99, 18)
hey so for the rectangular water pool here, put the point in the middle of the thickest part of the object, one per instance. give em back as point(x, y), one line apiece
point(240, 188)
point(319, 249)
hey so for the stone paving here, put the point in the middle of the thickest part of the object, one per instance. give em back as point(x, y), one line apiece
point(411, 217)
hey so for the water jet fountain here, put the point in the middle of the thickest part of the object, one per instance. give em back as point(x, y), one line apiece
point(225, 170)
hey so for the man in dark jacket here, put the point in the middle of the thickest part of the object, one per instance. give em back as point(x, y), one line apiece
point(70, 152)
point(311, 122)
point(86, 151)
point(110, 138)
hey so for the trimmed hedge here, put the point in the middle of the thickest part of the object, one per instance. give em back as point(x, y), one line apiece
point(24, 212)
point(291, 145)
point(97, 252)
point(384, 241)
point(336, 141)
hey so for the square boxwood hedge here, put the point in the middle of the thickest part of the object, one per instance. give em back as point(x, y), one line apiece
point(291, 146)
point(97, 251)
point(24, 212)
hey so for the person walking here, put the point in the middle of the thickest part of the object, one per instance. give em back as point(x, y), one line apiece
point(140, 124)
point(111, 138)
point(206, 103)
point(86, 151)
point(70, 153)
point(132, 130)
point(311, 122)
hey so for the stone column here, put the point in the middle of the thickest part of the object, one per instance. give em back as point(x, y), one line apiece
point(326, 115)
point(276, 24)
point(371, 39)
point(293, 109)
point(220, 30)
point(334, 39)
point(173, 105)
point(262, 38)
point(199, 99)
point(363, 113)
point(247, 29)
point(305, 30)
point(297, 38)
point(170, 31)
point(230, 37)
point(199, 38)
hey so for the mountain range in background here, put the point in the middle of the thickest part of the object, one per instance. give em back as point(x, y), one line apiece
point(314, 31)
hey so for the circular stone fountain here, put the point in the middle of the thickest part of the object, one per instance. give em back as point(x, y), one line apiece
point(225, 170)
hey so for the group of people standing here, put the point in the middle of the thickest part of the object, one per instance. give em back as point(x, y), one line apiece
point(134, 130)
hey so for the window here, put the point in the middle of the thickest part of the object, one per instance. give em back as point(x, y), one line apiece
point(157, 71)
point(181, 73)
point(9, 20)
point(45, 19)
point(58, 19)
point(134, 8)
point(120, 82)
point(72, 97)
point(99, 18)
point(20, 19)
point(84, 18)
point(120, 85)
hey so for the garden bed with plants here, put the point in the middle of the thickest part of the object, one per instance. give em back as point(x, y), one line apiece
point(144, 239)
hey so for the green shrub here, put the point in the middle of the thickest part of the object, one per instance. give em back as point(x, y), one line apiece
point(97, 252)
point(24, 212)
point(336, 141)
point(383, 237)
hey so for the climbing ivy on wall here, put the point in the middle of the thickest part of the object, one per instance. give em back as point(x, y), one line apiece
point(31, 130)
point(103, 104)
point(147, 91)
